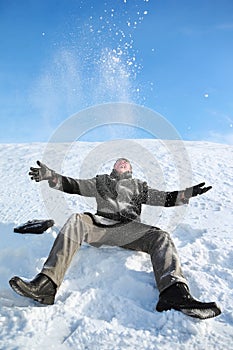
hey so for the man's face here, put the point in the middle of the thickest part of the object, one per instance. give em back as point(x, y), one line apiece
point(122, 165)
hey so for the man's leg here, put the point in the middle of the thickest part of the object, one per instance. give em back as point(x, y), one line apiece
point(164, 257)
point(174, 291)
point(79, 227)
point(43, 288)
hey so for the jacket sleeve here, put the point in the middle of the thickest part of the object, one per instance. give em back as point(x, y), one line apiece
point(82, 187)
point(164, 199)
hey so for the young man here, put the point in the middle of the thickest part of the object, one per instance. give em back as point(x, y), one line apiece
point(119, 200)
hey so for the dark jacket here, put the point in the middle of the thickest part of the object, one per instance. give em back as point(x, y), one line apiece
point(118, 197)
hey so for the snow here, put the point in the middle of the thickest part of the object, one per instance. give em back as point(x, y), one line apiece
point(108, 297)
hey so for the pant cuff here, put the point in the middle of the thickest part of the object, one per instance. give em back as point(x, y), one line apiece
point(168, 281)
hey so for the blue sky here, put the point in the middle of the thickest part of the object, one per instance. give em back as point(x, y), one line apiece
point(59, 57)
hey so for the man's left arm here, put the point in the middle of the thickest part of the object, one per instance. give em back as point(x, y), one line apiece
point(174, 198)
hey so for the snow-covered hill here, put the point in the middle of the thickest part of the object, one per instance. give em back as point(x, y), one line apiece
point(108, 297)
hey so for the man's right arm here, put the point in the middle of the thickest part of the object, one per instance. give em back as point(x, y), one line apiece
point(82, 187)
point(63, 183)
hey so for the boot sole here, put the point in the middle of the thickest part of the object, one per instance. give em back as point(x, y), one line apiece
point(201, 311)
point(42, 299)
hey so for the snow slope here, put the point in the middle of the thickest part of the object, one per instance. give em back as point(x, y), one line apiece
point(108, 296)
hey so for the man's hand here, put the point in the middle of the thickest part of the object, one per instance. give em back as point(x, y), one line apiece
point(195, 190)
point(41, 173)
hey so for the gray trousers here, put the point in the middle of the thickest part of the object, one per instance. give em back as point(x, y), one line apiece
point(134, 236)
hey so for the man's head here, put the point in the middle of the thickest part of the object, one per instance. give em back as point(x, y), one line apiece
point(122, 165)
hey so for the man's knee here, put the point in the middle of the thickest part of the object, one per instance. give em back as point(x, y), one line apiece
point(77, 226)
point(72, 217)
point(157, 234)
point(80, 218)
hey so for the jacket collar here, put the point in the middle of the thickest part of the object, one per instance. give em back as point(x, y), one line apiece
point(115, 175)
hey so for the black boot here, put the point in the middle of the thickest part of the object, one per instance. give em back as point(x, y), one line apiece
point(41, 288)
point(177, 297)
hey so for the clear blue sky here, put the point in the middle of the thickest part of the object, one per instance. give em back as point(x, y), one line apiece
point(61, 56)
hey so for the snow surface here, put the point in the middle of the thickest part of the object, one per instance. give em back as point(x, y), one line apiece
point(108, 296)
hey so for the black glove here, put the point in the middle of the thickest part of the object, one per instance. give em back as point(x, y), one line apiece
point(42, 173)
point(195, 190)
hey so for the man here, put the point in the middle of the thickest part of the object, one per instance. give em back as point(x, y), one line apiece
point(119, 199)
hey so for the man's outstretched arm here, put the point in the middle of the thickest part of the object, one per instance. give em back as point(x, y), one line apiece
point(170, 199)
point(63, 183)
